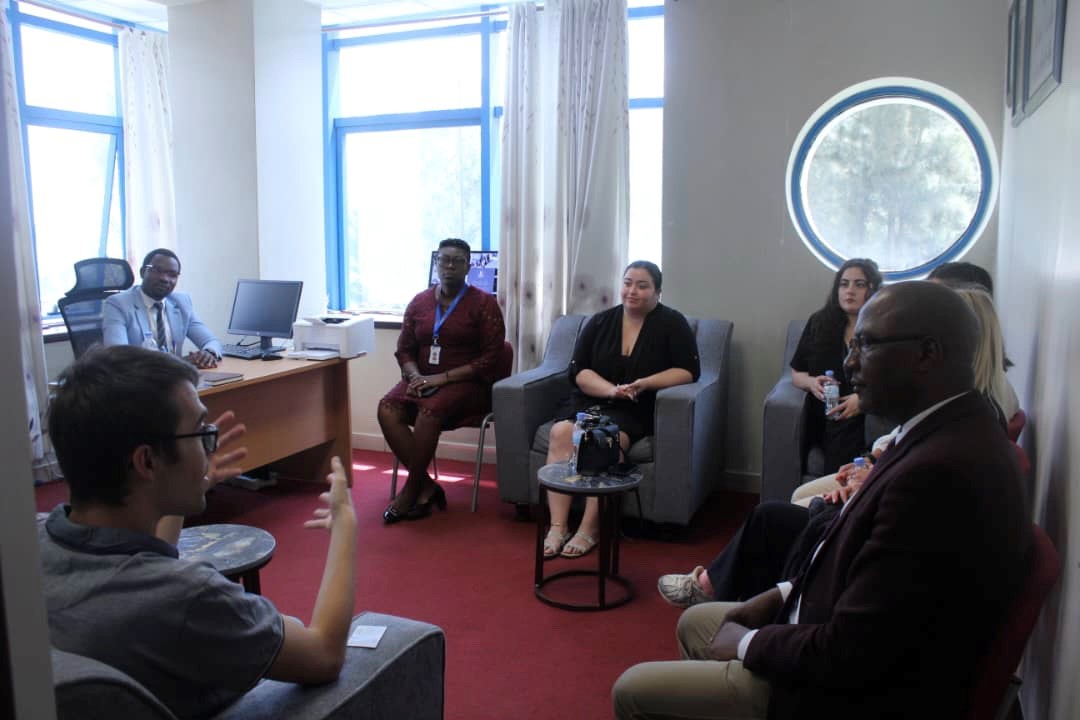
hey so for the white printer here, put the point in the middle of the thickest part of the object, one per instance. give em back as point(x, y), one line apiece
point(345, 335)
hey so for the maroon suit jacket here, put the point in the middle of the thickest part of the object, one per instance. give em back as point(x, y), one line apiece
point(910, 584)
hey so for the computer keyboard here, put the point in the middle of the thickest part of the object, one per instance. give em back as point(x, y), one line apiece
point(248, 352)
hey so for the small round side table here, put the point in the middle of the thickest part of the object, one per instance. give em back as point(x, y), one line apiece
point(608, 488)
point(235, 551)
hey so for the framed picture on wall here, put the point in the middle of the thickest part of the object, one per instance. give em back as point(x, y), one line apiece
point(1014, 81)
point(1044, 40)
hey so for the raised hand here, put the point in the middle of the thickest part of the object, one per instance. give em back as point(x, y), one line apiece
point(222, 462)
point(338, 499)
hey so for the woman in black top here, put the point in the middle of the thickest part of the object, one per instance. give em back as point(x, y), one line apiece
point(822, 347)
point(622, 357)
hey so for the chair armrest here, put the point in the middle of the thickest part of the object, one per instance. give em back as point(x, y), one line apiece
point(522, 403)
point(783, 440)
point(402, 677)
point(688, 447)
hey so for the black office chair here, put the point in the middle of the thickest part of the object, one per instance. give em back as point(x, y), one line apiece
point(83, 306)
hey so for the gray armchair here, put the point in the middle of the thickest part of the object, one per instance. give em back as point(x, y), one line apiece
point(400, 679)
point(681, 463)
point(787, 458)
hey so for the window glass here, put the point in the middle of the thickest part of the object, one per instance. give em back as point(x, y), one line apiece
point(410, 76)
point(645, 43)
point(646, 184)
point(66, 72)
point(903, 173)
point(389, 234)
point(70, 174)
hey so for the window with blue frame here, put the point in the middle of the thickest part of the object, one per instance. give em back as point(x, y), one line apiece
point(66, 72)
point(413, 115)
point(895, 169)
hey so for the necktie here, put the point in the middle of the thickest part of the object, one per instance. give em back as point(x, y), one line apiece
point(159, 334)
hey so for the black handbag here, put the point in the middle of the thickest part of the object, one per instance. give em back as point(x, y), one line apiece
point(599, 447)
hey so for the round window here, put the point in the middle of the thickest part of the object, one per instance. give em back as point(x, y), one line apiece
point(894, 169)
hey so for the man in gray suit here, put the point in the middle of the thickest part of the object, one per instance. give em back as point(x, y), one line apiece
point(152, 315)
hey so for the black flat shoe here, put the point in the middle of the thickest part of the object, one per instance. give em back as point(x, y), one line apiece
point(392, 515)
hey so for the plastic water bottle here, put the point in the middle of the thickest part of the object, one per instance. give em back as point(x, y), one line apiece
point(832, 393)
point(860, 465)
point(579, 430)
point(148, 341)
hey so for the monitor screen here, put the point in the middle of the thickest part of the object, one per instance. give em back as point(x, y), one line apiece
point(266, 308)
point(483, 270)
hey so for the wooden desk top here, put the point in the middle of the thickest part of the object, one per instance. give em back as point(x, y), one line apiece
point(255, 371)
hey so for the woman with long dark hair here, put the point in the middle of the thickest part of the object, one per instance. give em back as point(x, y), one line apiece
point(822, 347)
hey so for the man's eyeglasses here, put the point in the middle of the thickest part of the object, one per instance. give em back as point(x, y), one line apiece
point(451, 261)
point(860, 344)
point(171, 274)
point(208, 435)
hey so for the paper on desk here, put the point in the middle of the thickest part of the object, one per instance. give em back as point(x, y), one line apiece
point(366, 636)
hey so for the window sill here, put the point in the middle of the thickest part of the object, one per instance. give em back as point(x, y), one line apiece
point(52, 333)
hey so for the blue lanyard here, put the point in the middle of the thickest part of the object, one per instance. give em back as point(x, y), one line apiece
point(439, 317)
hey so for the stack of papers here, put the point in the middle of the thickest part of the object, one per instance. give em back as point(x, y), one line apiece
point(313, 354)
point(210, 378)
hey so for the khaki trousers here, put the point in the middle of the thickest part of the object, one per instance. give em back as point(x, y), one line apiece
point(692, 688)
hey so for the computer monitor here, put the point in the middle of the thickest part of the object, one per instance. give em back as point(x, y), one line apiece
point(483, 270)
point(266, 308)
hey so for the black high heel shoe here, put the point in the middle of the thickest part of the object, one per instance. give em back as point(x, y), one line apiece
point(392, 515)
point(421, 510)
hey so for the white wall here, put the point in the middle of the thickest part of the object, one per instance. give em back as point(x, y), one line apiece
point(247, 109)
point(741, 78)
point(288, 139)
point(24, 634)
point(211, 49)
point(1038, 294)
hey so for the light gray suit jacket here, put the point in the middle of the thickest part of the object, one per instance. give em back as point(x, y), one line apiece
point(126, 321)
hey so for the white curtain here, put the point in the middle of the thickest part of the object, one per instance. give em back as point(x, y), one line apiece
point(148, 144)
point(565, 166)
point(29, 310)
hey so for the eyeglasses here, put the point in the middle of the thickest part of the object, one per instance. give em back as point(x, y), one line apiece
point(171, 274)
point(208, 435)
point(860, 344)
point(451, 261)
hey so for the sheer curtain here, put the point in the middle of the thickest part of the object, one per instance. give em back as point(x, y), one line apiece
point(29, 309)
point(565, 168)
point(148, 144)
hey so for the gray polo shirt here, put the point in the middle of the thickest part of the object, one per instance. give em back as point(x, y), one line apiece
point(196, 640)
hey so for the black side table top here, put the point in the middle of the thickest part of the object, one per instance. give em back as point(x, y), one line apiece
point(558, 478)
point(231, 549)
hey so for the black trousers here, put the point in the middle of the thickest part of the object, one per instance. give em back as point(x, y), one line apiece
point(769, 547)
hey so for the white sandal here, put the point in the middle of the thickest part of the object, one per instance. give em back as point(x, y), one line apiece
point(579, 546)
point(555, 540)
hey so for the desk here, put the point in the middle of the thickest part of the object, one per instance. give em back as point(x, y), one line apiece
point(296, 412)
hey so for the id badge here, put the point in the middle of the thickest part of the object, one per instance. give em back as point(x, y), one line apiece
point(433, 356)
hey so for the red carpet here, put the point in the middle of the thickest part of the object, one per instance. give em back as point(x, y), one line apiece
point(508, 654)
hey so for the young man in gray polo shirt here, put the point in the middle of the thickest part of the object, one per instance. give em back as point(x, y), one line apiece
point(134, 443)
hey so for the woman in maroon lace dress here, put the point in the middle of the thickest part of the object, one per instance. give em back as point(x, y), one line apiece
point(450, 340)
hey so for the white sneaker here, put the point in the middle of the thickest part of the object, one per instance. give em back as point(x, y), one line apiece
point(683, 590)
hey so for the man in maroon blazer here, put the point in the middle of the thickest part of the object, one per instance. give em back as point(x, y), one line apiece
point(892, 611)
